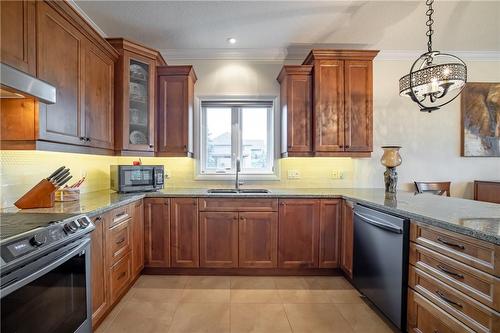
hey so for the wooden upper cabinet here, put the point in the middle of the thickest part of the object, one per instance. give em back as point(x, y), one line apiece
point(258, 239)
point(175, 110)
point(358, 105)
point(218, 239)
point(135, 96)
point(99, 112)
point(184, 232)
point(347, 238)
point(298, 233)
point(342, 102)
point(18, 47)
point(157, 232)
point(329, 233)
point(296, 110)
point(60, 61)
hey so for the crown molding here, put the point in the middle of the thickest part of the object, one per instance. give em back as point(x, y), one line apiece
point(299, 54)
point(80, 11)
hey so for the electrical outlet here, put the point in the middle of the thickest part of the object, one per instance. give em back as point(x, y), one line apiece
point(337, 174)
point(293, 174)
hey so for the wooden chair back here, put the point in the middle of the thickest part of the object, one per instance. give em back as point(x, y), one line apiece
point(439, 188)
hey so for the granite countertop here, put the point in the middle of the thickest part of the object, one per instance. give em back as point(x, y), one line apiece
point(473, 218)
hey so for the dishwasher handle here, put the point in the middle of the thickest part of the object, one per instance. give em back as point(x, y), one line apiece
point(385, 226)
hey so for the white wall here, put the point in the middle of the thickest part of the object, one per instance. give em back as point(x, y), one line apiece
point(431, 142)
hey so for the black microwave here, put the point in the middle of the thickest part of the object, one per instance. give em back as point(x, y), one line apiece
point(136, 178)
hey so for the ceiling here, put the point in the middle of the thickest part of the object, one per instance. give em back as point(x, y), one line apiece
point(277, 28)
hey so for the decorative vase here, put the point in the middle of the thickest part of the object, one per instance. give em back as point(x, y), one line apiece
point(391, 159)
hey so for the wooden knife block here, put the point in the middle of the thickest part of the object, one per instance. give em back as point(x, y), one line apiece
point(42, 195)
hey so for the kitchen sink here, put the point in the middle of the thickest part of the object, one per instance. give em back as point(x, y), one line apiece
point(235, 191)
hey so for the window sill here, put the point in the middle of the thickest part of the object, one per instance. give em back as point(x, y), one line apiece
point(242, 177)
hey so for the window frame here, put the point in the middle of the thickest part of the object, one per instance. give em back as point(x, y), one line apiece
point(236, 104)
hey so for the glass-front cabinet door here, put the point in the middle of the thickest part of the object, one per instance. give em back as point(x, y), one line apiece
point(138, 103)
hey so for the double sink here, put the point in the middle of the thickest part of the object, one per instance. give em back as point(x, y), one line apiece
point(238, 191)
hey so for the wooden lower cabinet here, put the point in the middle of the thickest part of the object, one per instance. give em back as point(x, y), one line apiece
point(157, 232)
point(137, 237)
point(298, 233)
point(100, 297)
point(425, 317)
point(119, 277)
point(219, 239)
point(258, 239)
point(329, 226)
point(347, 238)
point(184, 232)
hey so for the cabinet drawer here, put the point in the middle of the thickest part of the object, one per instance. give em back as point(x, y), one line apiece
point(120, 214)
point(472, 282)
point(425, 317)
point(243, 204)
point(119, 277)
point(118, 241)
point(473, 252)
point(465, 309)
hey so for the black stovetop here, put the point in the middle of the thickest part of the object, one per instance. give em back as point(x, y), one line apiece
point(13, 224)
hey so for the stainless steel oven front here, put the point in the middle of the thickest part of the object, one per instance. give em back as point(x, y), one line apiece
point(51, 294)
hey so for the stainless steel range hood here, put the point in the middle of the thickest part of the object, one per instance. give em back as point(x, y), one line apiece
point(17, 84)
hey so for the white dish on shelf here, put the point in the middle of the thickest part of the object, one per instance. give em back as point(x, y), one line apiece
point(138, 138)
point(137, 72)
point(137, 92)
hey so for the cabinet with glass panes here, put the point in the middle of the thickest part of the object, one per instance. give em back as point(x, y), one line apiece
point(135, 74)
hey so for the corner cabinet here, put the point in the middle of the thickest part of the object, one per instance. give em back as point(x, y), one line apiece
point(157, 232)
point(135, 74)
point(175, 110)
point(347, 238)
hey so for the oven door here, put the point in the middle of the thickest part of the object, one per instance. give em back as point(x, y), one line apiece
point(51, 294)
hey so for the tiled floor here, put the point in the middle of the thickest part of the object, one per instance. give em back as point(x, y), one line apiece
point(242, 304)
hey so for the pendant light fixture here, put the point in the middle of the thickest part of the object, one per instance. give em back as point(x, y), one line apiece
point(435, 78)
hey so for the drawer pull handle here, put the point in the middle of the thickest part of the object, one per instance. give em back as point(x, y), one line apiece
point(97, 219)
point(458, 246)
point(120, 214)
point(121, 276)
point(447, 300)
point(120, 241)
point(441, 268)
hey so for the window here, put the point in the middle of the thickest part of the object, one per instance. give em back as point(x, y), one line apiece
point(236, 130)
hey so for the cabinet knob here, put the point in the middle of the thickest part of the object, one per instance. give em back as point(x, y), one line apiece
point(97, 219)
point(87, 139)
point(82, 138)
point(346, 146)
point(282, 203)
point(151, 146)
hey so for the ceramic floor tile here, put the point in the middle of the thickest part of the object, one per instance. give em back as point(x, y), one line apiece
point(293, 282)
point(162, 281)
point(208, 282)
point(206, 296)
point(157, 295)
point(252, 282)
point(255, 296)
point(362, 318)
point(259, 318)
point(200, 318)
point(304, 296)
point(327, 283)
point(345, 296)
point(316, 318)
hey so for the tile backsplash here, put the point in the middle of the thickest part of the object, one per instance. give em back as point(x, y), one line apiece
point(20, 170)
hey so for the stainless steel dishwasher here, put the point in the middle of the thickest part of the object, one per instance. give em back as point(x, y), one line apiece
point(380, 267)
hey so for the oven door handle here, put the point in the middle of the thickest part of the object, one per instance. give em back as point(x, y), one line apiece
point(6, 290)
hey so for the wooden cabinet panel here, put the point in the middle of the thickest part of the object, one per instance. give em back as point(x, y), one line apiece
point(118, 239)
point(219, 239)
point(358, 106)
point(347, 238)
point(157, 232)
point(329, 229)
point(18, 47)
point(235, 205)
point(296, 110)
point(119, 276)
point(298, 233)
point(184, 232)
point(98, 91)
point(100, 297)
point(137, 237)
point(59, 62)
point(175, 110)
point(472, 252)
point(258, 239)
point(329, 106)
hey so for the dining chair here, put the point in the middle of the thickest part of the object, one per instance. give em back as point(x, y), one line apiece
point(439, 188)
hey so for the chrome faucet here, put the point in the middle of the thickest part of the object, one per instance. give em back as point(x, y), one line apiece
point(238, 170)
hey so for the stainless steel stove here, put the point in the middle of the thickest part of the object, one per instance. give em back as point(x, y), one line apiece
point(45, 272)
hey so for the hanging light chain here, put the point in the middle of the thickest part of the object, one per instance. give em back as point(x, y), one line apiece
point(429, 23)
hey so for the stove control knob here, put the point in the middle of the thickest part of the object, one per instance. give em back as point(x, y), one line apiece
point(84, 223)
point(71, 227)
point(38, 240)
